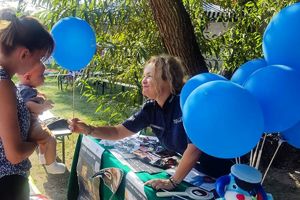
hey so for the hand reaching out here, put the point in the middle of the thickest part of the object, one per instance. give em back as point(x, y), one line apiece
point(78, 126)
point(160, 184)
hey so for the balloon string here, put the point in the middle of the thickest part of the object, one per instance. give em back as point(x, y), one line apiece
point(251, 157)
point(279, 144)
point(238, 160)
point(254, 155)
point(260, 152)
point(73, 99)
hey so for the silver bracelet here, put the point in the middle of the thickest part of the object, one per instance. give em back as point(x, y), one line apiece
point(174, 183)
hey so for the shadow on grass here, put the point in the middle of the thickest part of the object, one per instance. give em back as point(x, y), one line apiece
point(57, 185)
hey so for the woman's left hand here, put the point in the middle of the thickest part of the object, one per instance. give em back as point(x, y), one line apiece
point(160, 184)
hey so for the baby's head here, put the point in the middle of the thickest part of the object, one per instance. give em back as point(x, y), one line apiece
point(34, 78)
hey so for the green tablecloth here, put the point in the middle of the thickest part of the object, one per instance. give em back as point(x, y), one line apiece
point(109, 160)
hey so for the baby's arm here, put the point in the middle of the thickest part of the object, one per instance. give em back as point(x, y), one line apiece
point(39, 108)
point(39, 100)
point(39, 94)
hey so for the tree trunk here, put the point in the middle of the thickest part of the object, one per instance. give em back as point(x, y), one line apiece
point(177, 33)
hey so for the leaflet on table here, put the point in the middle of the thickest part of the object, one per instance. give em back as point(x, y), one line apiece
point(89, 161)
point(122, 157)
point(198, 179)
point(130, 144)
point(134, 163)
point(143, 154)
point(134, 188)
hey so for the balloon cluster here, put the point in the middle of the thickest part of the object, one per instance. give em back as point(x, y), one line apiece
point(75, 43)
point(227, 118)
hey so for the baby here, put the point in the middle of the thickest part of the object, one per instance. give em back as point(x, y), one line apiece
point(37, 104)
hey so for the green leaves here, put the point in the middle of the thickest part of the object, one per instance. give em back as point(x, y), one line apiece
point(127, 36)
point(241, 42)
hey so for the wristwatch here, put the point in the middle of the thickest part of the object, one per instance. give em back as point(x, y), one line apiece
point(174, 182)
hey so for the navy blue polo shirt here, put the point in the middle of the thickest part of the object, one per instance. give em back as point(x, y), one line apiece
point(166, 123)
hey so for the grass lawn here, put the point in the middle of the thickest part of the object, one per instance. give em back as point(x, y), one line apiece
point(55, 186)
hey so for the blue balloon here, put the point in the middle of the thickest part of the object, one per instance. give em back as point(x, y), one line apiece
point(277, 89)
point(292, 135)
point(246, 69)
point(194, 82)
point(223, 119)
point(281, 41)
point(75, 43)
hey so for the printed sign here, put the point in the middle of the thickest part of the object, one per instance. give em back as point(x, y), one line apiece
point(89, 161)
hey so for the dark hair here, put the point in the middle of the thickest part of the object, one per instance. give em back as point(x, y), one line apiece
point(171, 69)
point(24, 31)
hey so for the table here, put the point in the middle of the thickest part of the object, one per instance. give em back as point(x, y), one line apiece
point(64, 78)
point(109, 160)
point(59, 134)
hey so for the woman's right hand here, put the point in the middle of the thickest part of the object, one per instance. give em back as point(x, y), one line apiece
point(78, 126)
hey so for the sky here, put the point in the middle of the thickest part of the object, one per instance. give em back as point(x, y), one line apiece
point(14, 4)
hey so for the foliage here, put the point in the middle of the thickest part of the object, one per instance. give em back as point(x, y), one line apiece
point(243, 41)
point(127, 36)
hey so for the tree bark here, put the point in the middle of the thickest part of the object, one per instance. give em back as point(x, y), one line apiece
point(177, 33)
